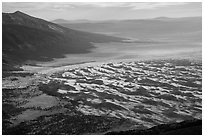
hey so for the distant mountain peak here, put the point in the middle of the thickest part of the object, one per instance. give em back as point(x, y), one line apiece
point(61, 21)
point(18, 12)
point(20, 18)
point(21, 14)
point(162, 17)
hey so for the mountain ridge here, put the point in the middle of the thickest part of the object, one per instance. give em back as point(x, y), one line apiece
point(186, 28)
point(61, 20)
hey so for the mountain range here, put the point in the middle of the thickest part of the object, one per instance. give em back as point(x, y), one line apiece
point(174, 29)
point(28, 38)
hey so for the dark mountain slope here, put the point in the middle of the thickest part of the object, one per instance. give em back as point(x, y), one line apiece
point(28, 38)
point(30, 43)
point(19, 18)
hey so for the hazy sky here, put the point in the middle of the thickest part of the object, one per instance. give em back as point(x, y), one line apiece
point(104, 11)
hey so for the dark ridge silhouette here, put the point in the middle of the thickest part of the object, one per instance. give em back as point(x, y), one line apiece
point(28, 38)
point(188, 127)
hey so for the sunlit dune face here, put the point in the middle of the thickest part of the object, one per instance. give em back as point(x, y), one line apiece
point(149, 93)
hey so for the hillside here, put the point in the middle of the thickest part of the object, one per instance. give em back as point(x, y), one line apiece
point(28, 38)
